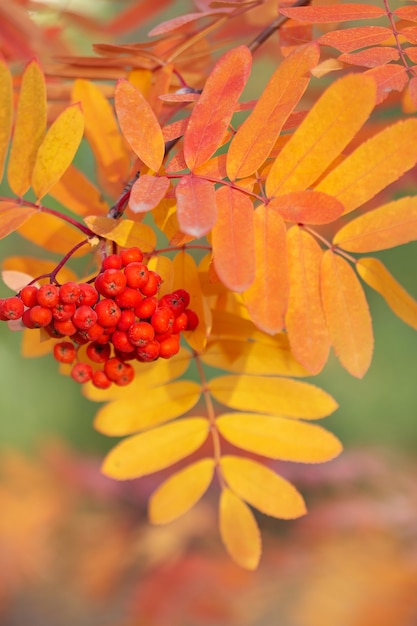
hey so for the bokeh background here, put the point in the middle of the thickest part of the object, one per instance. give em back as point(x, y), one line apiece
point(75, 547)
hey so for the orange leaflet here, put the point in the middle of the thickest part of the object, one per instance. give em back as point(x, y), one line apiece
point(102, 132)
point(239, 530)
point(350, 39)
point(347, 314)
point(57, 149)
point(389, 225)
point(376, 275)
point(196, 205)
point(267, 297)
point(372, 57)
point(305, 322)
point(407, 13)
point(330, 125)
point(6, 112)
point(393, 77)
point(216, 105)
point(178, 22)
point(147, 192)
point(139, 124)
point(307, 207)
point(76, 192)
point(29, 128)
point(257, 135)
point(12, 216)
point(53, 234)
point(233, 239)
point(333, 13)
point(373, 165)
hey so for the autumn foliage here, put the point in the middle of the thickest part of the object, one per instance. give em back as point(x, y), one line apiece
point(246, 205)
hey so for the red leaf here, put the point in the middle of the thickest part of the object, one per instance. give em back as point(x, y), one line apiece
point(147, 192)
point(216, 105)
point(196, 205)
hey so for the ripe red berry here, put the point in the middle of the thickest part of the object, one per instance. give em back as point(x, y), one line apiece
point(82, 372)
point(63, 311)
point(108, 313)
point(152, 285)
point(114, 368)
point(65, 328)
point(88, 294)
point(120, 340)
point(176, 301)
point(84, 317)
point(26, 320)
point(127, 318)
point(147, 307)
point(65, 352)
point(162, 320)
point(141, 333)
point(40, 316)
point(131, 255)
point(129, 298)
point(98, 352)
point(12, 308)
point(48, 296)
point(149, 352)
point(112, 262)
point(125, 376)
point(28, 295)
point(192, 319)
point(136, 275)
point(110, 283)
point(169, 347)
point(70, 292)
point(101, 380)
point(180, 323)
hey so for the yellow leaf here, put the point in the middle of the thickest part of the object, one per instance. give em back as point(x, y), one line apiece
point(275, 396)
point(180, 492)
point(375, 274)
point(6, 112)
point(29, 129)
point(155, 449)
point(330, 125)
point(34, 344)
point(124, 416)
point(262, 488)
point(126, 233)
point(389, 225)
point(164, 266)
point(239, 530)
point(347, 314)
point(305, 322)
point(57, 150)
point(278, 437)
point(51, 233)
point(373, 165)
point(267, 297)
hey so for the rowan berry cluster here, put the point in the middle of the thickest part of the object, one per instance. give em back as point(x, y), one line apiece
point(106, 323)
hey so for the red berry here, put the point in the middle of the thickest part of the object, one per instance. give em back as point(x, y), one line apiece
point(65, 328)
point(40, 316)
point(137, 275)
point(114, 368)
point(131, 255)
point(12, 308)
point(153, 283)
point(120, 340)
point(180, 323)
point(162, 320)
point(112, 262)
point(125, 376)
point(84, 317)
point(65, 352)
point(129, 298)
point(100, 380)
point(141, 333)
point(147, 353)
point(110, 283)
point(70, 292)
point(147, 307)
point(98, 352)
point(27, 321)
point(108, 313)
point(182, 295)
point(88, 294)
point(48, 296)
point(169, 347)
point(192, 319)
point(175, 301)
point(127, 318)
point(82, 372)
point(28, 295)
point(63, 311)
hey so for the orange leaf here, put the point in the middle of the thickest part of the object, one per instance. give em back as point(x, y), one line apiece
point(389, 77)
point(371, 57)
point(177, 22)
point(305, 322)
point(279, 437)
point(257, 135)
point(262, 488)
point(51, 233)
point(57, 149)
point(29, 128)
point(6, 112)
point(389, 225)
point(76, 192)
point(155, 449)
point(126, 233)
point(239, 530)
point(373, 165)
point(180, 492)
point(375, 274)
point(213, 111)
point(139, 124)
point(196, 205)
point(307, 207)
point(147, 192)
point(347, 314)
point(407, 13)
point(12, 216)
point(233, 239)
point(350, 39)
point(267, 297)
point(330, 125)
point(333, 13)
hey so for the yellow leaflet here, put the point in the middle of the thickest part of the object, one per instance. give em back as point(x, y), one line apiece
point(34, 344)
point(327, 129)
point(154, 406)
point(6, 112)
point(57, 150)
point(252, 357)
point(262, 488)
point(276, 396)
point(180, 492)
point(125, 233)
point(156, 449)
point(164, 267)
point(279, 438)
point(186, 277)
point(29, 129)
point(148, 375)
point(51, 233)
point(375, 274)
point(389, 225)
point(373, 165)
point(76, 192)
point(239, 530)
